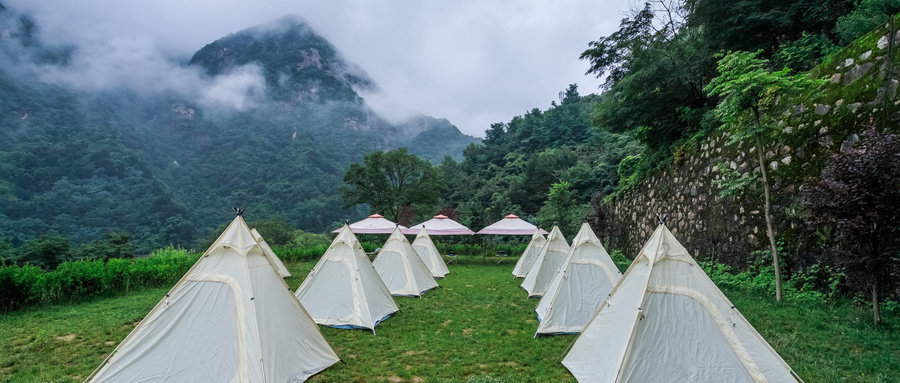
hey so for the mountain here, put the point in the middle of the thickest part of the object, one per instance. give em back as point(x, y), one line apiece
point(269, 121)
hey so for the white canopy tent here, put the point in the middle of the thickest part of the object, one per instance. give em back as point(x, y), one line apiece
point(526, 261)
point(401, 268)
point(548, 261)
point(430, 255)
point(343, 290)
point(667, 321)
point(440, 225)
point(231, 318)
point(374, 224)
point(580, 286)
point(510, 225)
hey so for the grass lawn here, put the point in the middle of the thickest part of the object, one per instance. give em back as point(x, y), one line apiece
point(477, 327)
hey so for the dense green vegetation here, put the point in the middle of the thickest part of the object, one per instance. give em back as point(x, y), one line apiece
point(663, 56)
point(166, 165)
point(477, 327)
point(516, 164)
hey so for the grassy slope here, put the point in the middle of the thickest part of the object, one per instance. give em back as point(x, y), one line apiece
point(477, 327)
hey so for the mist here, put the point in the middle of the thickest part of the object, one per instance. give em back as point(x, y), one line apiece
point(471, 62)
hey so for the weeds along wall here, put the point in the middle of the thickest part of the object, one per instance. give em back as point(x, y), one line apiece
point(862, 90)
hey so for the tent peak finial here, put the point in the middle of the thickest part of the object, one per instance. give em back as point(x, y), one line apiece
point(238, 210)
point(662, 221)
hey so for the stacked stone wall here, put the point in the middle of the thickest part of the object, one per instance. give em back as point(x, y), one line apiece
point(861, 91)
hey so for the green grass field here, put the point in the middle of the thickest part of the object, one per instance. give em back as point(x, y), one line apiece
point(477, 327)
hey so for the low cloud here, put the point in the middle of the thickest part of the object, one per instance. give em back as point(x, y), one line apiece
point(470, 61)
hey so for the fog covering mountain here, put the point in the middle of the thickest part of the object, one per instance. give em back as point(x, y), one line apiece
point(267, 119)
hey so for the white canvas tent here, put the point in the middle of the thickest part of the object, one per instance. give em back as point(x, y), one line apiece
point(430, 255)
point(667, 321)
point(343, 290)
point(526, 261)
point(401, 269)
point(276, 263)
point(548, 261)
point(373, 224)
point(231, 318)
point(581, 284)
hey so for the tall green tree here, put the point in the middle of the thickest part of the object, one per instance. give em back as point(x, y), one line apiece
point(392, 182)
point(656, 67)
point(749, 92)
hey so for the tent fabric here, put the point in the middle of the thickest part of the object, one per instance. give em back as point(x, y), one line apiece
point(231, 318)
point(401, 268)
point(580, 286)
point(440, 225)
point(547, 263)
point(273, 259)
point(374, 224)
point(343, 289)
point(667, 321)
point(510, 225)
point(526, 261)
point(430, 254)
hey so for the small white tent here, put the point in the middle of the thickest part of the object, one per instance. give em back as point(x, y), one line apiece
point(548, 261)
point(667, 321)
point(343, 290)
point(581, 284)
point(231, 318)
point(273, 259)
point(429, 254)
point(526, 261)
point(401, 269)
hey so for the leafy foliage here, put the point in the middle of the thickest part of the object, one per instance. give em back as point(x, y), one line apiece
point(391, 182)
point(858, 193)
point(513, 168)
point(22, 286)
point(867, 16)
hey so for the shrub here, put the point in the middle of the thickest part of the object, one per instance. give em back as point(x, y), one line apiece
point(25, 285)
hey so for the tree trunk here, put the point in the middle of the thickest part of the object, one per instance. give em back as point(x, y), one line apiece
point(875, 309)
point(768, 207)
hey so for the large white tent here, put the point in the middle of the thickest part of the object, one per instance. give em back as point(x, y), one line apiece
point(440, 225)
point(581, 284)
point(510, 225)
point(373, 224)
point(344, 290)
point(548, 261)
point(526, 261)
point(429, 254)
point(666, 321)
point(231, 318)
point(276, 263)
point(401, 268)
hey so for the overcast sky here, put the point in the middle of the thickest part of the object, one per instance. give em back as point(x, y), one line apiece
point(474, 62)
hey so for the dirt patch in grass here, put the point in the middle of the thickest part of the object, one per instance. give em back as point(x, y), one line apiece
point(67, 338)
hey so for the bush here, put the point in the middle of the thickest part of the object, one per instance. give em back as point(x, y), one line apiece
point(759, 279)
point(26, 285)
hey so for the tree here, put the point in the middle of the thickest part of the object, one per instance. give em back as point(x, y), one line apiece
point(749, 92)
point(656, 67)
point(46, 251)
point(391, 183)
point(560, 209)
point(868, 15)
point(858, 192)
